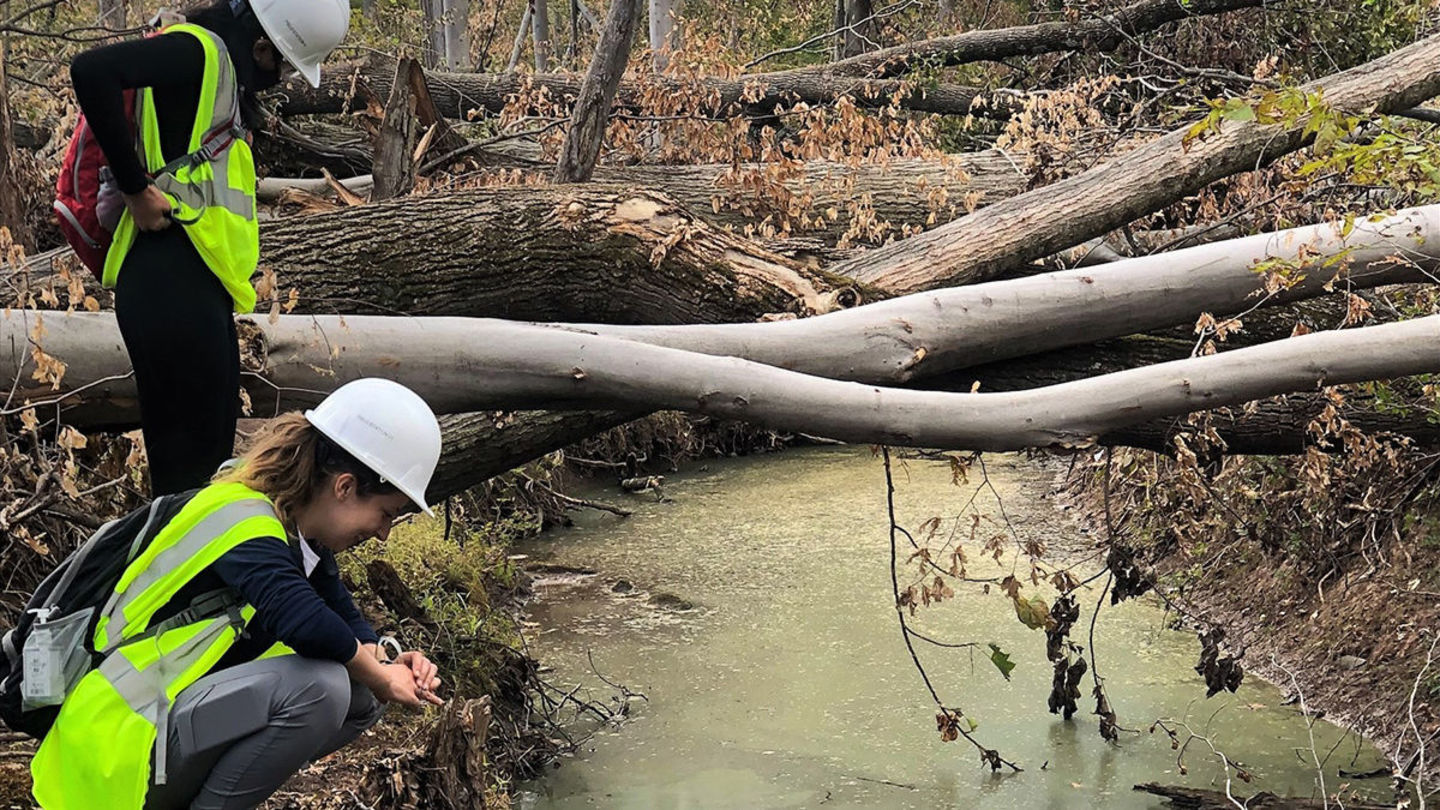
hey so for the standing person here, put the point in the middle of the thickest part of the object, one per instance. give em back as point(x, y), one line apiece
point(187, 243)
point(194, 704)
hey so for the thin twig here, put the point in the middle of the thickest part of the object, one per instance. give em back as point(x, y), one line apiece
point(905, 632)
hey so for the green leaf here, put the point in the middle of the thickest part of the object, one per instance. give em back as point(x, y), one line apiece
point(1001, 660)
point(1239, 112)
point(1033, 612)
point(1197, 130)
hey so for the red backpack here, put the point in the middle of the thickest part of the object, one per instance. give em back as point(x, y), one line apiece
point(88, 204)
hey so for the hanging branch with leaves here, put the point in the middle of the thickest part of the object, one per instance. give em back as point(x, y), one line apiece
point(949, 719)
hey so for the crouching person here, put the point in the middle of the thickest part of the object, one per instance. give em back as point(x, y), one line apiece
point(230, 652)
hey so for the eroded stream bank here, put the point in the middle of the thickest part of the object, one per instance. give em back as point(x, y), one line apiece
point(788, 685)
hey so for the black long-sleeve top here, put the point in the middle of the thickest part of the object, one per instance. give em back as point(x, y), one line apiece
point(316, 617)
point(172, 65)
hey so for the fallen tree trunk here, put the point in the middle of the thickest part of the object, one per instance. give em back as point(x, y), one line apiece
point(1275, 426)
point(28, 135)
point(1041, 222)
point(1102, 32)
point(908, 193)
point(482, 445)
point(1197, 799)
point(463, 365)
point(890, 342)
point(539, 253)
point(927, 334)
point(457, 94)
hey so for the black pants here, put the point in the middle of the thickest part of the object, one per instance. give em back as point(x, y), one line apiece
point(176, 318)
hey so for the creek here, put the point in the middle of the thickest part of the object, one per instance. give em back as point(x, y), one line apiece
point(761, 628)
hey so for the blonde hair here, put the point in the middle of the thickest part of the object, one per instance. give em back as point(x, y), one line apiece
point(290, 461)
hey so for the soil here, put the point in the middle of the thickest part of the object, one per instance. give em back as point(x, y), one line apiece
point(1296, 637)
point(1353, 646)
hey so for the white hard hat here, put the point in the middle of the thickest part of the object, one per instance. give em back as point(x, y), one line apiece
point(304, 31)
point(388, 428)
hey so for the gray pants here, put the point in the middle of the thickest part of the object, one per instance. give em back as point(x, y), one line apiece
point(237, 735)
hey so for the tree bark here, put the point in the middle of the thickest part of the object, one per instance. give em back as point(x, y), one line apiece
point(291, 150)
point(458, 93)
point(478, 446)
point(591, 112)
point(1275, 426)
point(457, 34)
point(12, 212)
point(664, 32)
point(519, 45)
point(901, 194)
point(432, 15)
point(463, 365)
point(926, 334)
point(580, 252)
point(602, 271)
point(394, 169)
point(859, 36)
point(1041, 222)
point(26, 135)
point(1196, 799)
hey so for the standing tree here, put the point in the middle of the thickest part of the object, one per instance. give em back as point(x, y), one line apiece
point(12, 213)
point(859, 27)
point(665, 33)
point(540, 27)
point(456, 29)
point(433, 12)
point(597, 91)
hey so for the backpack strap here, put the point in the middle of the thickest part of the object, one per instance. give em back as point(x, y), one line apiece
point(73, 564)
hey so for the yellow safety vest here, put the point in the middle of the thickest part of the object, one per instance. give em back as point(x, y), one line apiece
point(212, 187)
point(98, 753)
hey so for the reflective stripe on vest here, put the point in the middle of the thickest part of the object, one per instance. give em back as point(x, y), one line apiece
point(126, 702)
point(212, 188)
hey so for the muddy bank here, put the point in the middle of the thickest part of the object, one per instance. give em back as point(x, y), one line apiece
point(1346, 626)
point(1356, 652)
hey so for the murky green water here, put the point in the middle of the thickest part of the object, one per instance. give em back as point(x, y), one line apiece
point(789, 685)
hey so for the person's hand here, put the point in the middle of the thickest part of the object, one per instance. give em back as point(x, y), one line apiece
point(150, 209)
point(427, 679)
point(398, 686)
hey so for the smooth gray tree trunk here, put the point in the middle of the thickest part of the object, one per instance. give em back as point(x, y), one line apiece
point(665, 31)
point(457, 34)
point(519, 45)
point(540, 29)
point(463, 366)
